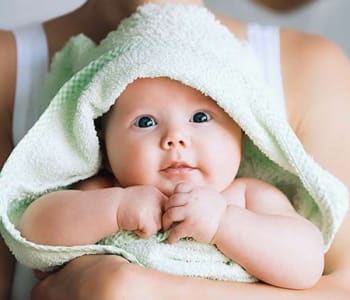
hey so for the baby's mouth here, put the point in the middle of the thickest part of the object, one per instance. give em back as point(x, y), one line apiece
point(178, 168)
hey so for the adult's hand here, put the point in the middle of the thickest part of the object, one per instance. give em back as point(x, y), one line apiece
point(90, 277)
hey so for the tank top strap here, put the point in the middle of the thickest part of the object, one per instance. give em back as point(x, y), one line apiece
point(265, 41)
point(32, 65)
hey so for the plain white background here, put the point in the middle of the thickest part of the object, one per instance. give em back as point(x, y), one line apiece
point(325, 17)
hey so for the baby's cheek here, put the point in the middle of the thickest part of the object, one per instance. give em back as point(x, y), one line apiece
point(133, 174)
point(223, 172)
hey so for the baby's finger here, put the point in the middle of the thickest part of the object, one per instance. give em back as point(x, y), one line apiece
point(183, 187)
point(176, 214)
point(158, 222)
point(176, 200)
point(163, 201)
point(141, 234)
point(147, 231)
point(179, 231)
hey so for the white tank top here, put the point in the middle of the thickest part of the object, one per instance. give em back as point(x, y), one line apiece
point(32, 65)
point(265, 40)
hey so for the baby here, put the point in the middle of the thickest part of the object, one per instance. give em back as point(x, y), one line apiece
point(174, 155)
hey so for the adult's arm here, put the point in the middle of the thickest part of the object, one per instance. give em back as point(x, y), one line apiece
point(7, 88)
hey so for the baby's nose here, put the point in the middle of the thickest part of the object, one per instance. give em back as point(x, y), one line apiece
point(171, 141)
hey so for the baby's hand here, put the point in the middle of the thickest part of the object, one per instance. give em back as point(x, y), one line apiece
point(197, 210)
point(140, 210)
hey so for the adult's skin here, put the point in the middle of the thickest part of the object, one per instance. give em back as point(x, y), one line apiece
point(316, 79)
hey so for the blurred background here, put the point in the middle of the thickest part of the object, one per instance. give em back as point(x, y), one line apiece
point(329, 18)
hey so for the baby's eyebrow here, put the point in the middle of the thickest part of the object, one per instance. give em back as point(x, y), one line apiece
point(129, 113)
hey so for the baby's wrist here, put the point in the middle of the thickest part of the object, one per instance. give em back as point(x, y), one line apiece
point(119, 199)
point(216, 237)
point(228, 226)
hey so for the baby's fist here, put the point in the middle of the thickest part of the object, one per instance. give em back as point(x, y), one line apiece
point(141, 210)
point(193, 211)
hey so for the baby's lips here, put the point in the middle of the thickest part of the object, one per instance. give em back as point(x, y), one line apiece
point(176, 164)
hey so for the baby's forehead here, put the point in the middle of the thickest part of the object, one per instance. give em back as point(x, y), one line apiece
point(162, 92)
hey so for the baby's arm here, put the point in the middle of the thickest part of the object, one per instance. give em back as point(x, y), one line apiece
point(80, 217)
point(268, 238)
point(73, 217)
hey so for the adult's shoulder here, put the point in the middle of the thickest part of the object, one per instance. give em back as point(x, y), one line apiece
point(316, 78)
point(315, 71)
point(7, 91)
point(8, 63)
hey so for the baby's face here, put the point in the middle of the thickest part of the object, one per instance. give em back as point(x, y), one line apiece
point(161, 133)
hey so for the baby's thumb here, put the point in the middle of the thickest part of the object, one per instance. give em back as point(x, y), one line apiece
point(148, 230)
point(183, 187)
point(177, 232)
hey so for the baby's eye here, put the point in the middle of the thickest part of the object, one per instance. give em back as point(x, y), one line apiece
point(145, 121)
point(201, 117)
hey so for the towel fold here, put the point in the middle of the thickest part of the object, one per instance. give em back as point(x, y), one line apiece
point(184, 43)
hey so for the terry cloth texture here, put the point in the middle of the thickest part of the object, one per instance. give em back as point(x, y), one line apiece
point(187, 44)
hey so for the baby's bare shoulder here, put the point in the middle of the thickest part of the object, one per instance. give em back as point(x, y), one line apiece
point(252, 184)
point(264, 198)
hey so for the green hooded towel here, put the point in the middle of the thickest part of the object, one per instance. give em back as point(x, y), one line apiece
point(187, 44)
